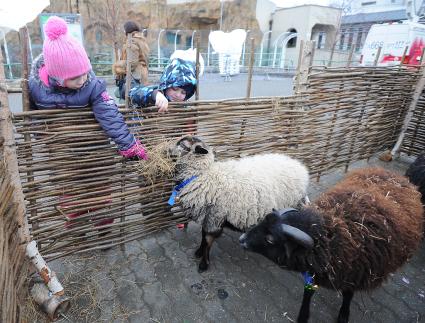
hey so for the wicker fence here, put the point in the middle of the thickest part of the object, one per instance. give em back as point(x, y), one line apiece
point(13, 264)
point(69, 168)
point(414, 141)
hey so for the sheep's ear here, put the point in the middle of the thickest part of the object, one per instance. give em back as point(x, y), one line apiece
point(185, 144)
point(200, 150)
point(297, 235)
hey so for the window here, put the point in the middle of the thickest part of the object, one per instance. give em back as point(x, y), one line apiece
point(189, 41)
point(99, 36)
point(341, 41)
point(171, 37)
point(321, 40)
point(350, 39)
point(293, 41)
point(359, 40)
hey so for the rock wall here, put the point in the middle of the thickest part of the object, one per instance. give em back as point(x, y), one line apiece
point(103, 22)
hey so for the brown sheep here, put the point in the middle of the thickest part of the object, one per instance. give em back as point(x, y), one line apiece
point(352, 238)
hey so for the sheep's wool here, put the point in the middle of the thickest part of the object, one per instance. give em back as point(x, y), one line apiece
point(242, 191)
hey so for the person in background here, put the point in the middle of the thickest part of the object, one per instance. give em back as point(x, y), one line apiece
point(138, 56)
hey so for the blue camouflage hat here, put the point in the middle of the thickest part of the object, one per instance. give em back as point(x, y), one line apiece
point(179, 73)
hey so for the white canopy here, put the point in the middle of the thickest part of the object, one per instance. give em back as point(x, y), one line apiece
point(227, 43)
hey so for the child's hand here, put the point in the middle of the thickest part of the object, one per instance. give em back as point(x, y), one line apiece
point(137, 150)
point(161, 102)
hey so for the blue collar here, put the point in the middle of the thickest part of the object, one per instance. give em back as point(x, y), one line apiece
point(309, 281)
point(177, 189)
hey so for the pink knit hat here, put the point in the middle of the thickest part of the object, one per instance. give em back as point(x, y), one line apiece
point(64, 56)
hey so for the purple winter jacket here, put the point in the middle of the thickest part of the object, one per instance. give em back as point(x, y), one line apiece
point(93, 93)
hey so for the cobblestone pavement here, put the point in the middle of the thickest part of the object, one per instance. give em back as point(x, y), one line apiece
point(156, 280)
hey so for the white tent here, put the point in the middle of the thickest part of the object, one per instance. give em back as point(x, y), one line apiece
point(229, 49)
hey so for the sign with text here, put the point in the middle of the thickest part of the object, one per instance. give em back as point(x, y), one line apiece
point(74, 22)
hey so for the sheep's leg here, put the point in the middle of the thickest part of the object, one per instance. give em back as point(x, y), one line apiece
point(344, 312)
point(209, 239)
point(304, 313)
point(200, 251)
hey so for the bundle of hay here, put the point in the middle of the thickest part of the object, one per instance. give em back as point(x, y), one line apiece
point(159, 163)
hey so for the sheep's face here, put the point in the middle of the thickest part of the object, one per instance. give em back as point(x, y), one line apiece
point(275, 239)
point(191, 153)
point(188, 145)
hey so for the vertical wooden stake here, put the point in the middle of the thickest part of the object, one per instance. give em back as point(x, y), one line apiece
point(404, 56)
point(305, 62)
point(422, 56)
point(10, 158)
point(248, 88)
point(332, 54)
point(23, 39)
point(416, 94)
point(128, 76)
point(251, 65)
point(197, 67)
point(378, 53)
point(350, 56)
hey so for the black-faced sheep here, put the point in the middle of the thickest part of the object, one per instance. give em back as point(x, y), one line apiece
point(350, 239)
point(233, 193)
point(416, 174)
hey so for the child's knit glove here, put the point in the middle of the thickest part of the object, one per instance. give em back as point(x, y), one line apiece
point(137, 150)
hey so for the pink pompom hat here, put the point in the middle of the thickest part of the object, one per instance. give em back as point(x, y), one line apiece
point(64, 56)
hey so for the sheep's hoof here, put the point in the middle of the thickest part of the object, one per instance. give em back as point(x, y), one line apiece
point(198, 253)
point(203, 266)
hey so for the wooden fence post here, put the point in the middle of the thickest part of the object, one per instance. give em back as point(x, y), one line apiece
point(23, 38)
point(197, 67)
point(251, 65)
point(350, 56)
point(10, 158)
point(128, 76)
point(248, 87)
point(331, 56)
point(416, 94)
point(305, 61)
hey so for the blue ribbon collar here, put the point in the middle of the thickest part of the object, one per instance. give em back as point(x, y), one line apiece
point(177, 189)
point(309, 281)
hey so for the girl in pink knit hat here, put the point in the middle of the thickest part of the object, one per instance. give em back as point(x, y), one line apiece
point(62, 77)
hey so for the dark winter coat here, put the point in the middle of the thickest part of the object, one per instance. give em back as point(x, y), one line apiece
point(179, 73)
point(93, 93)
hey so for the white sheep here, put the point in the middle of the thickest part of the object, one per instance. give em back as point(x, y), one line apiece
point(233, 193)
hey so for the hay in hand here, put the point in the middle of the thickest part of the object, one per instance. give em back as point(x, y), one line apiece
point(159, 163)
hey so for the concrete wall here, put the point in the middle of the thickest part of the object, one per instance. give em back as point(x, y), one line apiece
point(264, 11)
